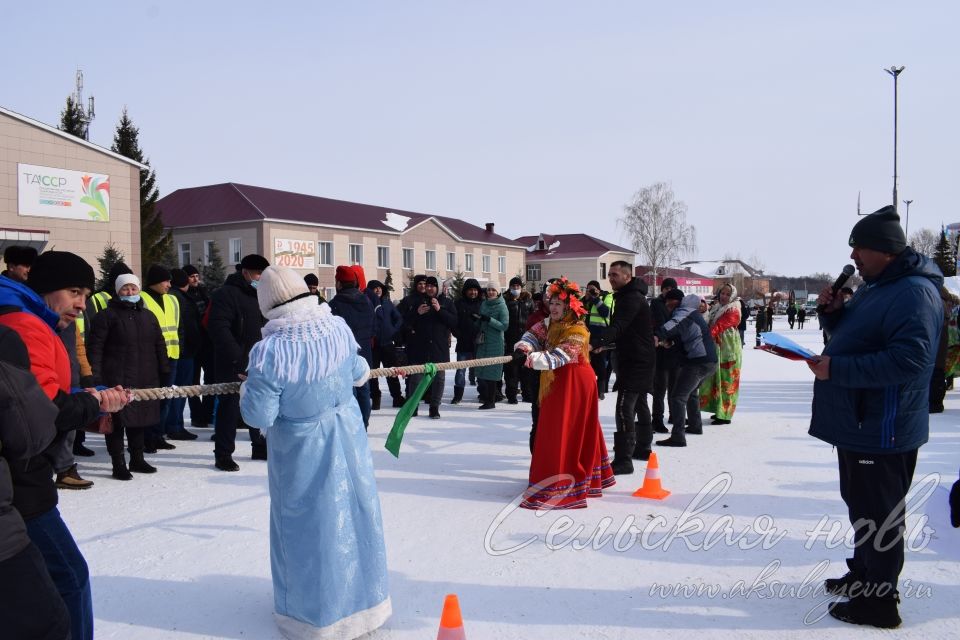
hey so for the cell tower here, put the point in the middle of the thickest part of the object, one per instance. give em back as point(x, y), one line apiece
point(88, 116)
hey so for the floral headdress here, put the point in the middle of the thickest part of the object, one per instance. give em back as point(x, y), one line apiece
point(567, 290)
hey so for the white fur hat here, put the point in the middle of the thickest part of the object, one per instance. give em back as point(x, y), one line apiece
point(277, 286)
point(126, 278)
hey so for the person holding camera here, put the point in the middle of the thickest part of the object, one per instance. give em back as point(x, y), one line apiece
point(431, 317)
point(599, 306)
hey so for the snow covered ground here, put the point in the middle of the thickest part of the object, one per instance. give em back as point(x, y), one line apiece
point(184, 553)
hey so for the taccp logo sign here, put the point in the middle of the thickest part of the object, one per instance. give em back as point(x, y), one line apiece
point(44, 181)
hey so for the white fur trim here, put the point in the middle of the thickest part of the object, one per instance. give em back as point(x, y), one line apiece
point(353, 626)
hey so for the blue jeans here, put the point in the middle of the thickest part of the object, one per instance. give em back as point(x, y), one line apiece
point(182, 376)
point(67, 568)
point(157, 431)
point(460, 378)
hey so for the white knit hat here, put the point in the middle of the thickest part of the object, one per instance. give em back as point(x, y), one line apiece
point(126, 278)
point(278, 285)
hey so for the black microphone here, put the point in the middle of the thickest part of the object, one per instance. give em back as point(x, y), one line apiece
point(838, 283)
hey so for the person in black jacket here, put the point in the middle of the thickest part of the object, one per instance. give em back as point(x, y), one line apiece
point(55, 294)
point(234, 327)
point(189, 332)
point(355, 308)
point(668, 357)
point(519, 306)
point(431, 318)
point(30, 606)
point(631, 330)
point(387, 323)
point(125, 347)
point(466, 333)
point(201, 408)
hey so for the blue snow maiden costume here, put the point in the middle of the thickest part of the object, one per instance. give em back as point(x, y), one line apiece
point(327, 554)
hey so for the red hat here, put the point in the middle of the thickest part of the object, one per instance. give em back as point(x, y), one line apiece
point(346, 274)
point(361, 277)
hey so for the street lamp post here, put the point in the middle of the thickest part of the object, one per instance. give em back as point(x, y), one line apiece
point(906, 229)
point(895, 72)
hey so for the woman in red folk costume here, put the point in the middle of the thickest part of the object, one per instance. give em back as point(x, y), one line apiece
point(570, 462)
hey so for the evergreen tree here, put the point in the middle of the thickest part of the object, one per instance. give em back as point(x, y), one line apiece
point(944, 256)
point(155, 243)
point(213, 272)
point(111, 256)
point(388, 283)
point(456, 286)
point(73, 120)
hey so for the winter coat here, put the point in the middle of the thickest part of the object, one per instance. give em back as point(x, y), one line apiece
point(519, 309)
point(328, 559)
point(125, 346)
point(190, 331)
point(882, 348)
point(233, 326)
point(466, 331)
point(667, 358)
point(687, 327)
point(26, 429)
point(23, 311)
point(429, 339)
point(357, 310)
point(387, 320)
point(491, 325)
point(791, 312)
point(631, 329)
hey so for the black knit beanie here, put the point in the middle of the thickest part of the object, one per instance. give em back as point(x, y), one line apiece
point(880, 231)
point(191, 270)
point(156, 274)
point(515, 280)
point(19, 255)
point(254, 262)
point(311, 280)
point(56, 270)
point(179, 278)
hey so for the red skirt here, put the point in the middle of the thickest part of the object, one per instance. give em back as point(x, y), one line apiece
point(570, 462)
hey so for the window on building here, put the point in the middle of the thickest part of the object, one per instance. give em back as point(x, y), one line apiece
point(326, 254)
point(451, 261)
point(184, 253)
point(502, 264)
point(533, 273)
point(431, 260)
point(207, 250)
point(356, 254)
point(383, 257)
point(468, 263)
point(236, 250)
point(603, 270)
point(408, 258)
point(485, 263)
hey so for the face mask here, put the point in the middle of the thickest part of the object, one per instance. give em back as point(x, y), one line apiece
point(133, 299)
point(515, 292)
point(254, 283)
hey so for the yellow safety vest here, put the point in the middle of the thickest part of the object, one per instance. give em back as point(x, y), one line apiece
point(595, 318)
point(169, 319)
point(100, 301)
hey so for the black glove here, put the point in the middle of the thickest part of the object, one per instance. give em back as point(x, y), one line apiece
point(519, 356)
point(484, 318)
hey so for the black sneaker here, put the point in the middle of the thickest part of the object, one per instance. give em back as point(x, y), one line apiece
point(641, 454)
point(696, 432)
point(160, 443)
point(259, 453)
point(82, 451)
point(226, 463)
point(659, 428)
point(182, 435)
point(670, 442)
point(873, 611)
point(398, 402)
point(621, 467)
point(434, 413)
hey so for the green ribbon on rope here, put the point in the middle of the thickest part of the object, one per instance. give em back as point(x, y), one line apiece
point(406, 411)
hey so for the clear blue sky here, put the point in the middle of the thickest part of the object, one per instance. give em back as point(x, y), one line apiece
point(767, 117)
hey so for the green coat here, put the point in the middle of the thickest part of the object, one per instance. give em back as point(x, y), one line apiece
point(492, 332)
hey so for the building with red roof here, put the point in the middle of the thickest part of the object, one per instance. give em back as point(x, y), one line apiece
point(577, 256)
point(314, 234)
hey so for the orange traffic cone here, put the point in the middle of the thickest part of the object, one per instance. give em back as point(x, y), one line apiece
point(651, 482)
point(451, 622)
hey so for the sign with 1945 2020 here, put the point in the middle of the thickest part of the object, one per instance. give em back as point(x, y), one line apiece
point(297, 254)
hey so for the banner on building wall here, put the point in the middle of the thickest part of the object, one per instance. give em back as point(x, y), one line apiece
point(61, 193)
point(297, 254)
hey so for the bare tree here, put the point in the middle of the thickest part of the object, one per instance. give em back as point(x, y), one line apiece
point(924, 241)
point(656, 223)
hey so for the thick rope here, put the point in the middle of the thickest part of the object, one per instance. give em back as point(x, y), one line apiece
point(223, 388)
